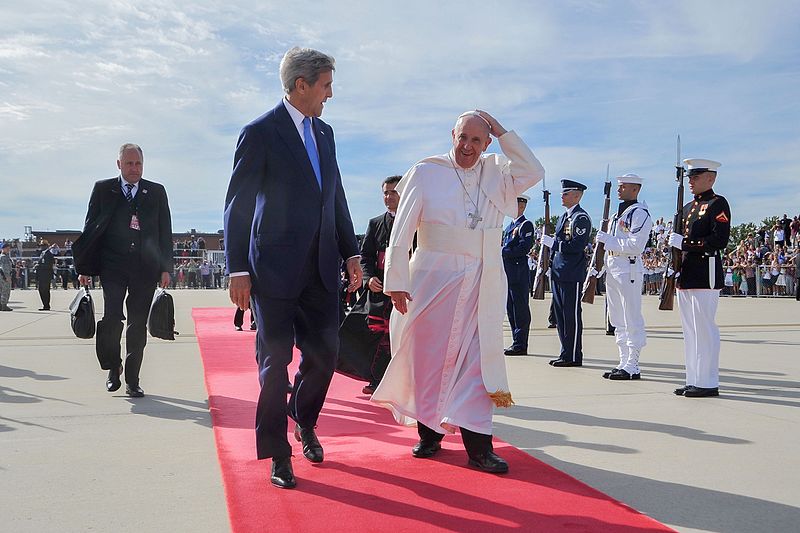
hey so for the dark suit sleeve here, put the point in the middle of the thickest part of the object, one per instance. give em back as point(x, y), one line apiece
point(165, 233)
point(348, 244)
point(581, 231)
point(249, 169)
point(369, 251)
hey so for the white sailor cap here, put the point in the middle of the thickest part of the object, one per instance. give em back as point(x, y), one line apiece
point(698, 166)
point(630, 178)
point(523, 198)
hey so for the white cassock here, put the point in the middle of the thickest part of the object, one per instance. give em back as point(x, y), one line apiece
point(624, 274)
point(448, 368)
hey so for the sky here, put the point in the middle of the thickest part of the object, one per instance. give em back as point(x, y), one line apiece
point(585, 83)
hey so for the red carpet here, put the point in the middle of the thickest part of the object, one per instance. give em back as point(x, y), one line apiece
point(369, 482)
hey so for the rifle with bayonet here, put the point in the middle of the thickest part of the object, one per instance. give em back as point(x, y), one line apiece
point(667, 299)
point(544, 253)
point(599, 256)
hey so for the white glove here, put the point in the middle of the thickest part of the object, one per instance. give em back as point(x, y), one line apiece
point(675, 240)
point(602, 236)
point(548, 241)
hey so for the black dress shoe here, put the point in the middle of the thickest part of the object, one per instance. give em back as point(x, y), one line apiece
point(44, 309)
point(134, 391)
point(515, 351)
point(238, 328)
point(679, 391)
point(561, 362)
point(426, 448)
point(552, 361)
point(701, 392)
point(489, 462)
point(607, 375)
point(312, 449)
point(551, 326)
point(282, 475)
point(252, 327)
point(113, 382)
point(624, 375)
point(368, 389)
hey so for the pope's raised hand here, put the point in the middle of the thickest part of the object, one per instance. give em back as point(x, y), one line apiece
point(494, 127)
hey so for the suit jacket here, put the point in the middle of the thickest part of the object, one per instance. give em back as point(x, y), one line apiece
point(155, 224)
point(517, 242)
point(568, 260)
point(707, 228)
point(275, 212)
point(373, 254)
point(44, 269)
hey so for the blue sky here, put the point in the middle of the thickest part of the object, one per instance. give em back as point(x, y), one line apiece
point(585, 83)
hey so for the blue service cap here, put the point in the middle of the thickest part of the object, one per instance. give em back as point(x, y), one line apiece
point(571, 185)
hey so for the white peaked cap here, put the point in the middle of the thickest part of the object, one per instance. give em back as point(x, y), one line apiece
point(630, 178)
point(524, 197)
point(701, 165)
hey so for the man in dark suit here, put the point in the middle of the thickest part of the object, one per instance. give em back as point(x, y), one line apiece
point(287, 227)
point(127, 241)
point(44, 275)
point(517, 242)
point(373, 254)
point(568, 271)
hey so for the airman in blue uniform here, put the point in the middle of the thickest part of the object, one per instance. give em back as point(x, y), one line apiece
point(517, 242)
point(568, 271)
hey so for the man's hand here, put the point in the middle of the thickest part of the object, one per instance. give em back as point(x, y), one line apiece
point(548, 240)
point(354, 273)
point(239, 290)
point(83, 280)
point(165, 277)
point(400, 301)
point(375, 284)
point(494, 127)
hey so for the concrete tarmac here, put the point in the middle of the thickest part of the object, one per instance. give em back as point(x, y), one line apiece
point(76, 458)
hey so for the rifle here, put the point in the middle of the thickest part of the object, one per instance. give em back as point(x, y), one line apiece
point(544, 252)
point(667, 297)
point(598, 258)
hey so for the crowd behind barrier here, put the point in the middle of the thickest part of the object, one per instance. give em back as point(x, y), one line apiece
point(762, 263)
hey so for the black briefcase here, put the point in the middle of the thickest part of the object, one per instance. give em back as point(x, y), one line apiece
point(161, 321)
point(81, 314)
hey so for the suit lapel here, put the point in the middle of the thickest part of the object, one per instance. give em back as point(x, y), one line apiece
point(288, 132)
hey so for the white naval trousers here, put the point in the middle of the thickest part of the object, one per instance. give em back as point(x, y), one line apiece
point(698, 308)
point(624, 296)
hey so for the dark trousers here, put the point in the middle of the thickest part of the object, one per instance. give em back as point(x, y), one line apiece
point(551, 317)
point(311, 321)
point(519, 314)
point(43, 284)
point(139, 288)
point(475, 443)
point(238, 317)
point(567, 308)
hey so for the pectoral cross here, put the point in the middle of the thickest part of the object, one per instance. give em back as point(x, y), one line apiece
point(474, 218)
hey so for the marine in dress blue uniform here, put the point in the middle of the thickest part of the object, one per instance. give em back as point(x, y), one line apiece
point(517, 242)
point(568, 271)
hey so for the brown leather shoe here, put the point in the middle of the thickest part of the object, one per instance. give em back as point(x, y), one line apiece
point(312, 449)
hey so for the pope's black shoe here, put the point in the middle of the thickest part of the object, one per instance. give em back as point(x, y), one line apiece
point(561, 362)
point(312, 449)
point(622, 375)
point(489, 462)
point(113, 382)
point(426, 448)
point(515, 351)
point(238, 328)
point(282, 475)
point(607, 375)
point(701, 392)
point(553, 361)
point(134, 391)
point(681, 390)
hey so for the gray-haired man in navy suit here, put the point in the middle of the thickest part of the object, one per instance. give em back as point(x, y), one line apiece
point(287, 228)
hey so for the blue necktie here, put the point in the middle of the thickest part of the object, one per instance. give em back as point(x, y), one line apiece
point(311, 148)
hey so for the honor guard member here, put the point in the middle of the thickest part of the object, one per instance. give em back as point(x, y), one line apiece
point(5, 276)
point(628, 233)
point(707, 227)
point(517, 242)
point(568, 271)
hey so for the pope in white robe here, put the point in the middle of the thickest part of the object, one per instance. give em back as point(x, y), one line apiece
point(448, 368)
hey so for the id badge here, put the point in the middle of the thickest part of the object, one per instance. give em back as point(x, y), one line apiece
point(134, 222)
